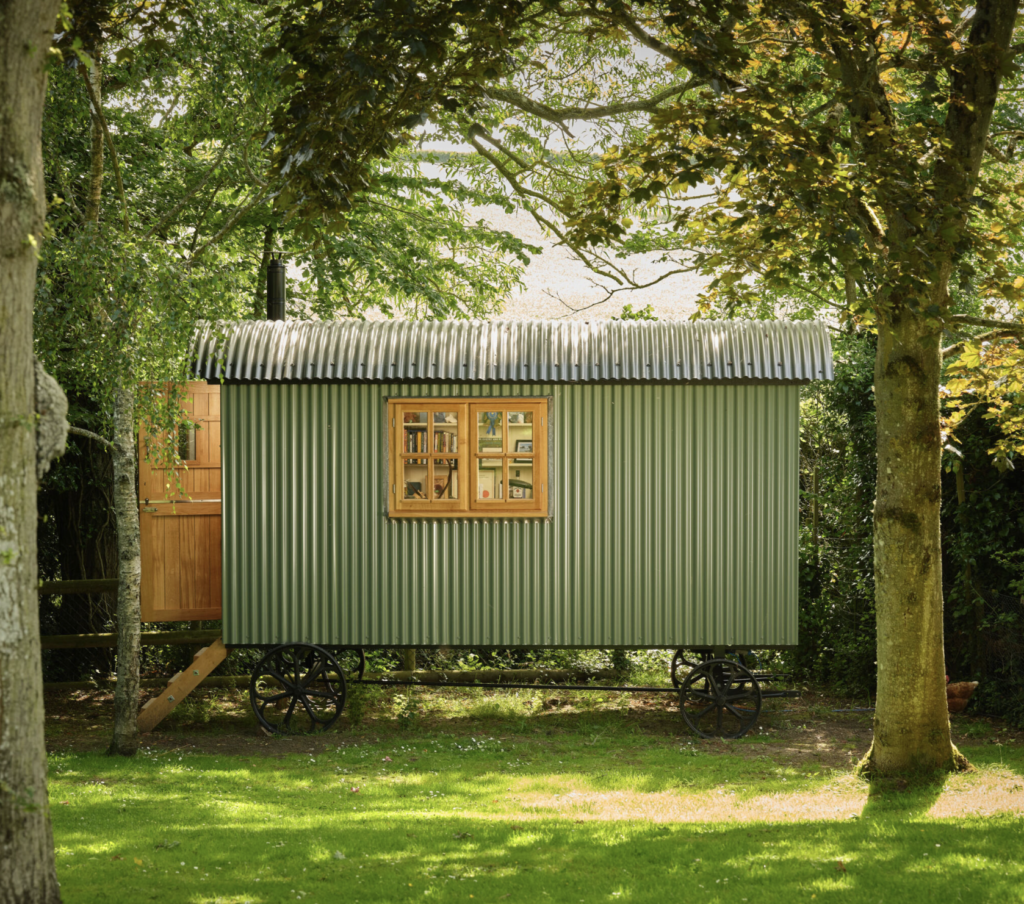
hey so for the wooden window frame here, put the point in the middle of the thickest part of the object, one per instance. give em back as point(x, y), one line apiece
point(468, 457)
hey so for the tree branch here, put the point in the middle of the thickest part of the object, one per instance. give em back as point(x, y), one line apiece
point(509, 176)
point(98, 111)
point(168, 218)
point(850, 287)
point(633, 28)
point(524, 192)
point(69, 194)
point(174, 211)
point(1016, 329)
point(245, 160)
point(991, 148)
point(708, 74)
point(231, 223)
point(88, 434)
point(566, 114)
point(167, 114)
point(958, 347)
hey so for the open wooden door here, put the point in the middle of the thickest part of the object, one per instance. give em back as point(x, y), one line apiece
point(181, 559)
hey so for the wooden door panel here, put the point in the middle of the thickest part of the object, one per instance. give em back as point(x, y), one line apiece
point(181, 563)
point(214, 438)
point(180, 522)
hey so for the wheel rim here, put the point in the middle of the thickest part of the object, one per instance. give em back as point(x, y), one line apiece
point(352, 661)
point(720, 699)
point(297, 688)
point(681, 663)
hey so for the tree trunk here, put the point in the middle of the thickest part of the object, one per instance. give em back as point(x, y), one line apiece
point(129, 571)
point(27, 872)
point(92, 203)
point(814, 509)
point(911, 729)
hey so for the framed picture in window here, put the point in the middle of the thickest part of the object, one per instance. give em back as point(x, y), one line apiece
point(524, 445)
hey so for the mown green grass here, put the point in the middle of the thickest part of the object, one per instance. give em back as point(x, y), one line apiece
point(516, 819)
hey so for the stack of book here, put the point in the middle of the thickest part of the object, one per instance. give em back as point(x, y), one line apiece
point(445, 441)
point(415, 439)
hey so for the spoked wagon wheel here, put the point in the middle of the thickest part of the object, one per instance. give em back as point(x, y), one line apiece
point(720, 699)
point(681, 664)
point(297, 688)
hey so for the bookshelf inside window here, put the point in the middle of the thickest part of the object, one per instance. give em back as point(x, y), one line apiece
point(475, 458)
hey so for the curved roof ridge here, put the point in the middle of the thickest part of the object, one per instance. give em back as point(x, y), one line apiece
point(513, 351)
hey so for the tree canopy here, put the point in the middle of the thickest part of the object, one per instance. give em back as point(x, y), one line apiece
point(859, 163)
point(166, 210)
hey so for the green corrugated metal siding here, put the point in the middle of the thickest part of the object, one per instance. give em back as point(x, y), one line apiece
point(674, 524)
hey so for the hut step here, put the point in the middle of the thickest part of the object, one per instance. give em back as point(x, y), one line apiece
point(182, 684)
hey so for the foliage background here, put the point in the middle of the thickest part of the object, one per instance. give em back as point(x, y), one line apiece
point(983, 545)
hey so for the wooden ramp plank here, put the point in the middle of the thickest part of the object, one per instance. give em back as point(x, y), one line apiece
point(182, 684)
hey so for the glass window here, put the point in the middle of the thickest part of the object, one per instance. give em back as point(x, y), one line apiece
point(502, 455)
point(187, 442)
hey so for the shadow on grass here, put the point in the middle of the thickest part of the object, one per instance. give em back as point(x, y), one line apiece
point(202, 853)
point(349, 825)
point(906, 796)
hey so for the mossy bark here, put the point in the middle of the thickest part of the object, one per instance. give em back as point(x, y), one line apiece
point(129, 576)
point(911, 718)
point(27, 872)
point(911, 714)
point(95, 196)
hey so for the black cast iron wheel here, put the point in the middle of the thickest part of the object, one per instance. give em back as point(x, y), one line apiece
point(682, 663)
point(720, 699)
point(297, 687)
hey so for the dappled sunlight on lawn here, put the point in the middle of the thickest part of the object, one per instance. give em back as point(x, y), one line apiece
point(986, 792)
point(708, 806)
point(517, 821)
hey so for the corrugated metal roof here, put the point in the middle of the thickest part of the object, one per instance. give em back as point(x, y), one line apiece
point(550, 351)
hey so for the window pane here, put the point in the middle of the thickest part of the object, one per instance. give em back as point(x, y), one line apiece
point(446, 431)
point(187, 442)
point(446, 478)
point(414, 478)
point(488, 479)
point(489, 431)
point(414, 435)
point(520, 432)
point(520, 481)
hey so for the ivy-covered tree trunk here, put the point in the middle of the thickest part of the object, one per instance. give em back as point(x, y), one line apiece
point(129, 576)
point(911, 729)
point(95, 197)
point(27, 872)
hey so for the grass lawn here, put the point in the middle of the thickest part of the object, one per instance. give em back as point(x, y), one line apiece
point(563, 806)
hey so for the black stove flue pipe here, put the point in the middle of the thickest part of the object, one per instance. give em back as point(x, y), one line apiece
point(275, 289)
